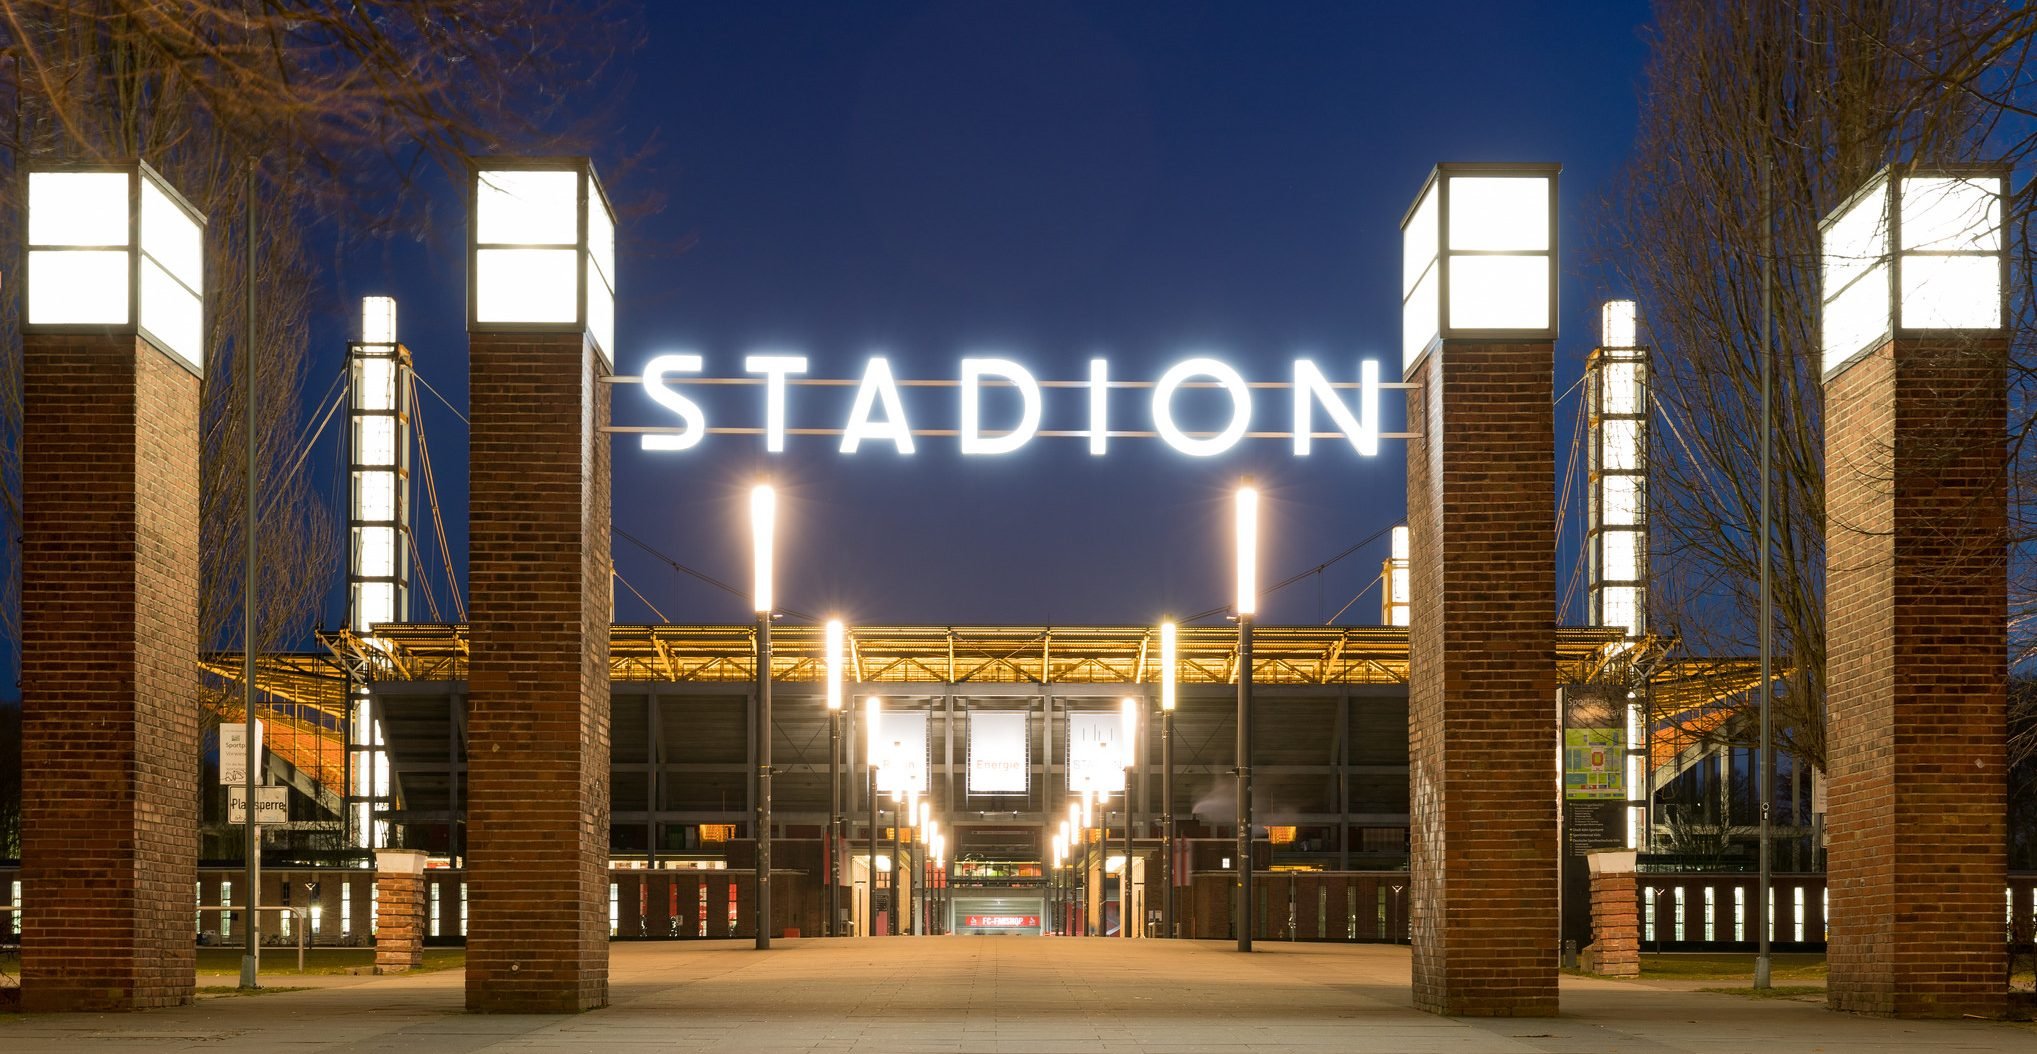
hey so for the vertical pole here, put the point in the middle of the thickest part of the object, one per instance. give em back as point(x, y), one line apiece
point(1245, 915)
point(870, 921)
point(897, 865)
point(1125, 898)
point(763, 780)
point(1167, 821)
point(1767, 615)
point(250, 962)
point(834, 822)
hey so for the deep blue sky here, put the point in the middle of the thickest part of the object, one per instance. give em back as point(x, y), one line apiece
point(1049, 180)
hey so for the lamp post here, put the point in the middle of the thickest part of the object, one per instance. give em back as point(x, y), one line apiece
point(1076, 863)
point(922, 841)
point(1167, 686)
point(763, 525)
point(874, 709)
point(1247, 538)
point(1130, 709)
point(897, 864)
point(834, 840)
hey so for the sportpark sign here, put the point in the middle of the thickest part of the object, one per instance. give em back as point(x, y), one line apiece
point(1000, 404)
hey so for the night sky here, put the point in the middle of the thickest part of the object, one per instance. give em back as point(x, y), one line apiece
point(1050, 182)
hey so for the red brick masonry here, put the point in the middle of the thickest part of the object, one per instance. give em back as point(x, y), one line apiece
point(399, 911)
point(1916, 523)
point(109, 674)
point(1615, 914)
point(1481, 680)
point(537, 804)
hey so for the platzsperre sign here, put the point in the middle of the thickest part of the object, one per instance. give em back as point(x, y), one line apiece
point(1000, 405)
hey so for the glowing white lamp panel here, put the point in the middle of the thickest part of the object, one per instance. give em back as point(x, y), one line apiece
point(378, 320)
point(534, 258)
point(600, 275)
point(172, 268)
point(1951, 253)
point(1478, 257)
point(1421, 278)
point(1619, 323)
point(1855, 278)
point(1504, 221)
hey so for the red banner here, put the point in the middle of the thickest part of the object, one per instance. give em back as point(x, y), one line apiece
point(1001, 921)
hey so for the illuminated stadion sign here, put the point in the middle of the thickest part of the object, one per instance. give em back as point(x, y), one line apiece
point(999, 405)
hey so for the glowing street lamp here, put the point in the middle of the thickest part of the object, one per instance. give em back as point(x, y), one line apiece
point(833, 656)
point(1478, 257)
point(763, 529)
point(543, 246)
point(113, 248)
point(1247, 538)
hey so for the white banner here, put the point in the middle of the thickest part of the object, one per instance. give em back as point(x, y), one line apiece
point(902, 751)
point(999, 753)
point(1096, 755)
point(233, 753)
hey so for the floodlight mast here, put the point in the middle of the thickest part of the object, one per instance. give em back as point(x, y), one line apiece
point(1168, 646)
point(1247, 538)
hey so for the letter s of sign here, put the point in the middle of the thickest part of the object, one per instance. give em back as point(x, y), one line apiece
point(690, 416)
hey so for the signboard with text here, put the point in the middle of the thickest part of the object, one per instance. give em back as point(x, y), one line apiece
point(1001, 922)
point(998, 752)
point(233, 753)
point(1096, 755)
point(272, 805)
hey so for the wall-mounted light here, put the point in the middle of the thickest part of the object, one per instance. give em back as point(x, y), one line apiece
point(543, 245)
point(1478, 257)
point(1915, 250)
point(113, 249)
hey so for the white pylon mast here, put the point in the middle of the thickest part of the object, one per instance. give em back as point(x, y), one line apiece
point(378, 523)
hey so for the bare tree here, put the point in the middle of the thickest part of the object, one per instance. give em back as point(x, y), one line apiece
point(1757, 120)
point(328, 102)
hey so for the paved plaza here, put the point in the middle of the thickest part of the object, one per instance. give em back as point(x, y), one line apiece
point(992, 994)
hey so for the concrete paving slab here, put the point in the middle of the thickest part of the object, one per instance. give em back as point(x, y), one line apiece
point(959, 995)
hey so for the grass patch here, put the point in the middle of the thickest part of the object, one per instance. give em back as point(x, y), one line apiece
point(1712, 966)
point(234, 989)
point(1778, 991)
point(282, 962)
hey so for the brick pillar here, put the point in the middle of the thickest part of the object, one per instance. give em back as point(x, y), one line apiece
point(1615, 913)
point(1482, 679)
point(109, 674)
point(537, 800)
point(399, 912)
point(1915, 529)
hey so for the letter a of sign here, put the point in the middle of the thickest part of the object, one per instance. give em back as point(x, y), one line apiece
point(877, 384)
